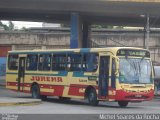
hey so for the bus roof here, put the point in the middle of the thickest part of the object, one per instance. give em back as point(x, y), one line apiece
point(113, 49)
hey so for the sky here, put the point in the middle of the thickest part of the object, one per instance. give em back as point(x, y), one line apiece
point(20, 24)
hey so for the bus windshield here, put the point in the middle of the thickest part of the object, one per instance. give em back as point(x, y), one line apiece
point(135, 71)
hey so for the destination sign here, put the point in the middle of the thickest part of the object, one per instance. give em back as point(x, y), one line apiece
point(128, 52)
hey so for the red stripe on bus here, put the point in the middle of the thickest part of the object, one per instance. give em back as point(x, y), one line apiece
point(83, 86)
point(130, 96)
point(110, 88)
point(25, 91)
point(47, 93)
point(75, 91)
point(111, 96)
point(12, 83)
point(16, 84)
point(102, 97)
point(58, 90)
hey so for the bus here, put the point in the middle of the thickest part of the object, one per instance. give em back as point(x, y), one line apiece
point(120, 74)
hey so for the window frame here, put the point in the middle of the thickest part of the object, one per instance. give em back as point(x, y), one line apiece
point(16, 62)
point(58, 62)
point(27, 67)
point(70, 63)
point(86, 62)
point(49, 56)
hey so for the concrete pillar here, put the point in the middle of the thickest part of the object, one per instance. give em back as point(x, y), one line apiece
point(144, 37)
point(147, 32)
point(76, 31)
point(86, 35)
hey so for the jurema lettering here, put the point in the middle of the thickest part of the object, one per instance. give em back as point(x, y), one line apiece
point(46, 78)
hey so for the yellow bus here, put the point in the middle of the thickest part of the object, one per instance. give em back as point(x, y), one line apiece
point(121, 74)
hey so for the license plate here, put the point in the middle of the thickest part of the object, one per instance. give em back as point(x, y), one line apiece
point(138, 96)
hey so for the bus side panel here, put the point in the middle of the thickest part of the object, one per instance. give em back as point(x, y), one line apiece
point(76, 88)
point(12, 72)
point(78, 82)
point(49, 85)
point(27, 84)
point(11, 80)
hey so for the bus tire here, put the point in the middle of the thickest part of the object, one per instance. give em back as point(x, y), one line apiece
point(123, 103)
point(35, 92)
point(92, 97)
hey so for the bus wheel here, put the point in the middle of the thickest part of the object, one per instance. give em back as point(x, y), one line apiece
point(122, 103)
point(35, 92)
point(92, 97)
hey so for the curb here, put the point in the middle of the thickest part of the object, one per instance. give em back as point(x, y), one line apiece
point(20, 103)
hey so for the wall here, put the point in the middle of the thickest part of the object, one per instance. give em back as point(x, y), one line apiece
point(2, 66)
point(28, 40)
point(99, 38)
point(128, 38)
point(3, 54)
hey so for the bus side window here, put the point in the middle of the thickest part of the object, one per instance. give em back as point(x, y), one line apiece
point(32, 61)
point(90, 62)
point(40, 63)
point(44, 62)
point(54, 65)
point(68, 63)
point(59, 62)
point(13, 62)
point(74, 62)
point(47, 62)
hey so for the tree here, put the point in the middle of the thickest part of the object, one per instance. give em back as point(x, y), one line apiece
point(119, 27)
point(10, 27)
point(24, 29)
point(102, 26)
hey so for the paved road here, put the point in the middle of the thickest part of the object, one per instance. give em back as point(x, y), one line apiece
point(2, 80)
point(54, 106)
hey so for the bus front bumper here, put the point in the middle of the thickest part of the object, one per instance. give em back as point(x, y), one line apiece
point(122, 95)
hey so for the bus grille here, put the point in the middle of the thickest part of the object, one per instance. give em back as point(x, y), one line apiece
point(135, 97)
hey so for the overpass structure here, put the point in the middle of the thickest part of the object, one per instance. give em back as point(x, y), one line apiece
point(82, 13)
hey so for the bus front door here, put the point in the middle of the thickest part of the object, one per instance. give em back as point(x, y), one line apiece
point(21, 73)
point(103, 77)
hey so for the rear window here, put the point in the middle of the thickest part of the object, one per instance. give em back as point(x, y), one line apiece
point(13, 62)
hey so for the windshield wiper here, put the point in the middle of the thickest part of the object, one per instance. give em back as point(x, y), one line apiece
point(142, 58)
